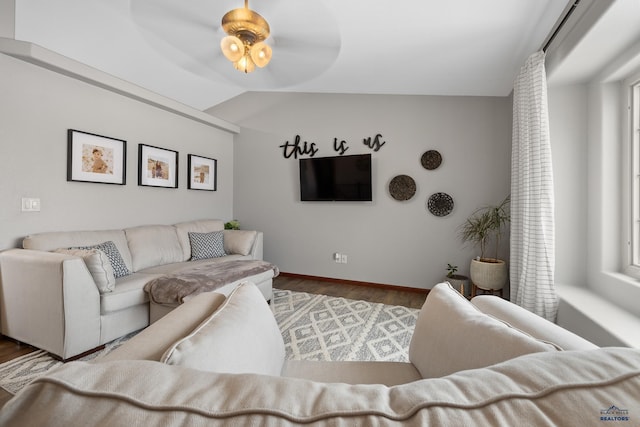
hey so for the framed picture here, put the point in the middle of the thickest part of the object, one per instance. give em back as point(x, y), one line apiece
point(95, 158)
point(157, 167)
point(202, 173)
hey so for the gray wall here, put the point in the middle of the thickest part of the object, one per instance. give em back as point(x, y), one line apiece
point(387, 241)
point(37, 106)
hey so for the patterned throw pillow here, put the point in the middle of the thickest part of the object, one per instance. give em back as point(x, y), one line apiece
point(117, 263)
point(207, 245)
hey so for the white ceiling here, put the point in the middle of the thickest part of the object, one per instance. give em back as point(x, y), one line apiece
point(423, 47)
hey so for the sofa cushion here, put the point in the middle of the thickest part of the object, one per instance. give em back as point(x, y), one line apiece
point(66, 239)
point(152, 245)
point(207, 245)
point(120, 269)
point(98, 265)
point(452, 335)
point(239, 241)
point(128, 292)
point(242, 336)
point(199, 226)
point(543, 389)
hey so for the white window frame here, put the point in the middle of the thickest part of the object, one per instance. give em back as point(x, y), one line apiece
point(631, 168)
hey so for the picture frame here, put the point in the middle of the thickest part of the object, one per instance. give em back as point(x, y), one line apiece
point(96, 158)
point(157, 167)
point(203, 173)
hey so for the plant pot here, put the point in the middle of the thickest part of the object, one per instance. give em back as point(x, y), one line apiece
point(460, 283)
point(488, 273)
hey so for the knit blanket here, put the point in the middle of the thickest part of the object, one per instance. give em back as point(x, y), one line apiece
point(174, 288)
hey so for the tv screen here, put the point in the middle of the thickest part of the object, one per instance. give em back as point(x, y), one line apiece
point(341, 178)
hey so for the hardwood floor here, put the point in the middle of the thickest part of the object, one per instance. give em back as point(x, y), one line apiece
point(352, 290)
point(10, 349)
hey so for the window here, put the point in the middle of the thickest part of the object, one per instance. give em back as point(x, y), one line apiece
point(632, 172)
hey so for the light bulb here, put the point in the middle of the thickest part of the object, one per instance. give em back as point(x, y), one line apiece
point(245, 64)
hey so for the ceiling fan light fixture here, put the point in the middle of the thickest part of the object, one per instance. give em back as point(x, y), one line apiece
point(244, 45)
point(245, 64)
point(232, 48)
point(260, 54)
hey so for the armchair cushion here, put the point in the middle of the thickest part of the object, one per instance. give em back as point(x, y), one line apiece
point(242, 336)
point(452, 335)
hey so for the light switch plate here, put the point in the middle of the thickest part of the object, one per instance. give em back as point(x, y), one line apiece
point(30, 204)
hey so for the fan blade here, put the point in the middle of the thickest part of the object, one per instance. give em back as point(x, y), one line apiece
point(305, 39)
point(169, 12)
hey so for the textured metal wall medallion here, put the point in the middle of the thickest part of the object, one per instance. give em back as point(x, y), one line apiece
point(431, 159)
point(440, 204)
point(402, 187)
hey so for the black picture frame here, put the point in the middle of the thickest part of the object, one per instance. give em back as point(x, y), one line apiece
point(203, 173)
point(96, 158)
point(157, 167)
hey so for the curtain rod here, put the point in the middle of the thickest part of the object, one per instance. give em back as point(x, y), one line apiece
point(559, 27)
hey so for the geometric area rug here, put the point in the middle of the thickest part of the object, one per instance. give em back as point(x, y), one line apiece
point(20, 371)
point(314, 327)
point(321, 327)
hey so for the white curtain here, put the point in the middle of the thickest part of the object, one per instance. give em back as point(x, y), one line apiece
point(532, 224)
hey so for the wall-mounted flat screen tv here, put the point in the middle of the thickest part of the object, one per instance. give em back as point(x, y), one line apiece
point(340, 178)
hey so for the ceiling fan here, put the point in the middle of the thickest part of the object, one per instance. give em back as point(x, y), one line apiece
point(244, 45)
point(303, 39)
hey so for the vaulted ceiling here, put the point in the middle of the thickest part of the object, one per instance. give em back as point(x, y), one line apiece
point(422, 47)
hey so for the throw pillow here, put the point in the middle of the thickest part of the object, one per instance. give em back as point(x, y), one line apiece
point(452, 335)
point(242, 336)
point(239, 241)
point(207, 245)
point(117, 263)
point(98, 265)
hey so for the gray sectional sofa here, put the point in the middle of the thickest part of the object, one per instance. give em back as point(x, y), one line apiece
point(62, 295)
point(221, 361)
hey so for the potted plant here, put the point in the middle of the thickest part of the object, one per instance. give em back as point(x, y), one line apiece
point(234, 224)
point(458, 281)
point(483, 227)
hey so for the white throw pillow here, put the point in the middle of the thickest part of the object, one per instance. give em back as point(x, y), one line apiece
point(452, 335)
point(120, 268)
point(239, 241)
point(242, 336)
point(98, 265)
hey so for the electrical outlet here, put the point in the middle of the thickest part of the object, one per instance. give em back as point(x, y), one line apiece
point(340, 258)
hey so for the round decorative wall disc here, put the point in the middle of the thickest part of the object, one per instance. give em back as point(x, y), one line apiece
point(402, 187)
point(440, 204)
point(431, 159)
